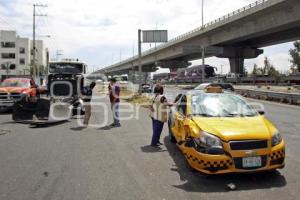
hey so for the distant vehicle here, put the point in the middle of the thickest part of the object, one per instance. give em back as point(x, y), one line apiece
point(194, 73)
point(219, 132)
point(180, 78)
point(13, 89)
point(161, 77)
point(146, 88)
point(225, 86)
point(232, 75)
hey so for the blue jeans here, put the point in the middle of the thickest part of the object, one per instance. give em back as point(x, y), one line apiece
point(115, 112)
point(157, 129)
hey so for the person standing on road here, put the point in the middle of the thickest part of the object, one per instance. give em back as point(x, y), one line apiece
point(158, 114)
point(114, 97)
point(87, 93)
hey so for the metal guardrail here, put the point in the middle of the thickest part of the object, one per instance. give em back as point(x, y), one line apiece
point(292, 98)
point(190, 33)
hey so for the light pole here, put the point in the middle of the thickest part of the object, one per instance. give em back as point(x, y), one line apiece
point(203, 48)
point(33, 37)
point(202, 13)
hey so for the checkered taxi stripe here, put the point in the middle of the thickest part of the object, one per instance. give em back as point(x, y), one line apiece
point(208, 164)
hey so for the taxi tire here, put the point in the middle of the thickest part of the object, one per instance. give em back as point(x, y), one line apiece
point(172, 138)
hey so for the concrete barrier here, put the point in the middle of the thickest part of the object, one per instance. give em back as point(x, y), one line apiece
point(291, 98)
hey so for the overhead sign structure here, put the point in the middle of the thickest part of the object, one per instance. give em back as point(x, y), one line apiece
point(155, 36)
point(149, 36)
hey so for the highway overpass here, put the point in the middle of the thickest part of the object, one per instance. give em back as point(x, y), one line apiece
point(236, 36)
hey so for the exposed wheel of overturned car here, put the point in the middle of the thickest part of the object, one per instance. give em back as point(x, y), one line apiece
point(26, 110)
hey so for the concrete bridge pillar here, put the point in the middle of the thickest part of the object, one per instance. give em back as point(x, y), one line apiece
point(237, 55)
point(236, 65)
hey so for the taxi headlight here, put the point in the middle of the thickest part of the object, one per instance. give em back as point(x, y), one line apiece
point(207, 140)
point(276, 139)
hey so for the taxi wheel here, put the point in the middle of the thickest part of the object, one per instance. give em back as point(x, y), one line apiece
point(172, 138)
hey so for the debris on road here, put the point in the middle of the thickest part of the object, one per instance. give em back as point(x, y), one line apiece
point(4, 132)
point(46, 174)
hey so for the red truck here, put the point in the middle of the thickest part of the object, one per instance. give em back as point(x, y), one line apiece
point(13, 89)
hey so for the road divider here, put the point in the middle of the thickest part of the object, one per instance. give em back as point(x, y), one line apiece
point(290, 98)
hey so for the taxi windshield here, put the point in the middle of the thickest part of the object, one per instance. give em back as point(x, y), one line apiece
point(220, 105)
point(16, 83)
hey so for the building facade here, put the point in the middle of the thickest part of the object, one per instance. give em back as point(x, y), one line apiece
point(16, 54)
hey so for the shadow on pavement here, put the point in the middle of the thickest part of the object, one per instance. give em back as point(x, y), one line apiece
point(151, 149)
point(46, 124)
point(79, 128)
point(197, 182)
point(105, 128)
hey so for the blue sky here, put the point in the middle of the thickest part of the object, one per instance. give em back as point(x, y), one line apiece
point(101, 31)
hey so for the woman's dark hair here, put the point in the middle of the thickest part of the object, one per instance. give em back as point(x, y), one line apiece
point(177, 98)
point(158, 89)
point(92, 85)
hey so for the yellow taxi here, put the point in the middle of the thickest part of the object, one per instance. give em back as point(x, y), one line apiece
point(219, 132)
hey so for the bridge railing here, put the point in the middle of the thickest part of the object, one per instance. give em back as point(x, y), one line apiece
point(198, 29)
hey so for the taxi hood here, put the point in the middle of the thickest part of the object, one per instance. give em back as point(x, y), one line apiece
point(236, 128)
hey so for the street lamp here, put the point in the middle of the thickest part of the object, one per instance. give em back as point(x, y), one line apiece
point(202, 14)
point(203, 48)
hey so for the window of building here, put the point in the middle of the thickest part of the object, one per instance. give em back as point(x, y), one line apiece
point(22, 61)
point(3, 66)
point(8, 55)
point(8, 44)
point(11, 66)
point(22, 50)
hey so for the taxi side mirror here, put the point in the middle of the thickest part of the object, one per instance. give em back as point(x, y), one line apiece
point(261, 112)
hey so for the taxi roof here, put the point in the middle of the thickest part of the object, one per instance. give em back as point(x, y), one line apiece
point(195, 92)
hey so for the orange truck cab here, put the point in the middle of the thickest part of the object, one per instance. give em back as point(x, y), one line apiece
point(13, 89)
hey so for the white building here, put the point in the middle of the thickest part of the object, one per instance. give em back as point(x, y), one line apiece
point(16, 52)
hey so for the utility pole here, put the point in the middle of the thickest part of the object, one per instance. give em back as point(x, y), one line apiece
point(35, 69)
point(140, 59)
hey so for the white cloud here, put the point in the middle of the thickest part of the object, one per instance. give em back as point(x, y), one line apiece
point(81, 27)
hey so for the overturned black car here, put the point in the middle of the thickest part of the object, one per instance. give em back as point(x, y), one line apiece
point(64, 85)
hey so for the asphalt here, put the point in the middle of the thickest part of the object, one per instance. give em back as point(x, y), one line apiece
point(66, 162)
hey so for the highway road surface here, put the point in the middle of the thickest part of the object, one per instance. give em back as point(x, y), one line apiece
point(70, 163)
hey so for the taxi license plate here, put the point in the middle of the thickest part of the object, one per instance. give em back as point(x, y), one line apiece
point(252, 162)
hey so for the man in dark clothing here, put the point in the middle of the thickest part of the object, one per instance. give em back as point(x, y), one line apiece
point(114, 97)
point(87, 93)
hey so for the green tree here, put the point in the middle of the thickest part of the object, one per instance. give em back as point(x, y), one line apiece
point(255, 70)
point(273, 72)
point(295, 55)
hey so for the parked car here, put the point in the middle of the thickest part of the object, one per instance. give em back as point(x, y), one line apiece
point(219, 132)
point(13, 89)
point(146, 88)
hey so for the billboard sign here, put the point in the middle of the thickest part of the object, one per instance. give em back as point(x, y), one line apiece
point(155, 36)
